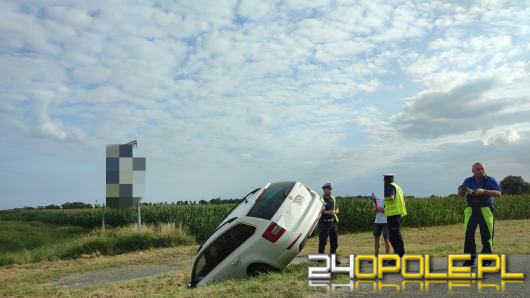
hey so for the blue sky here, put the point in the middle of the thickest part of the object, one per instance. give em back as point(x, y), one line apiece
point(224, 96)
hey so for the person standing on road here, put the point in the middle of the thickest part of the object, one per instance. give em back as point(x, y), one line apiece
point(380, 225)
point(394, 209)
point(479, 191)
point(328, 222)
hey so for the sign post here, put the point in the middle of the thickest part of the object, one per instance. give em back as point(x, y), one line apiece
point(125, 178)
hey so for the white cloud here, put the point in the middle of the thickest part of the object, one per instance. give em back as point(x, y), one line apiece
point(508, 136)
point(223, 88)
point(254, 9)
point(512, 136)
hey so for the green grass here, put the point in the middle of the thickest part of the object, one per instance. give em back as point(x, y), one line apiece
point(291, 282)
point(36, 280)
point(124, 239)
point(17, 236)
point(29, 242)
point(200, 220)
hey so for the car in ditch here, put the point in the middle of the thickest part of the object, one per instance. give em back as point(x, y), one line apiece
point(264, 232)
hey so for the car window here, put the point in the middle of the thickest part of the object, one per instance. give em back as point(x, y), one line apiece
point(221, 248)
point(271, 200)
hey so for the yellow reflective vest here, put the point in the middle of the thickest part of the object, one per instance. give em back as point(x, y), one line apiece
point(397, 205)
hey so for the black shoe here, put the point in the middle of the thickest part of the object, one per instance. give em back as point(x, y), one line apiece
point(337, 261)
point(468, 263)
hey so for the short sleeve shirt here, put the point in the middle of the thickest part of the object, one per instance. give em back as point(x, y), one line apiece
point(488, 183)
point(380, 217)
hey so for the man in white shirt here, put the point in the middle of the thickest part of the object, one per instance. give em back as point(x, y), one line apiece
point(380, 225)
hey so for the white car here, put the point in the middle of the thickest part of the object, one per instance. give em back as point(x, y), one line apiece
point(264, 232)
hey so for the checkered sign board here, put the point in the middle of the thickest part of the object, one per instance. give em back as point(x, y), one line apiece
point(125, 177)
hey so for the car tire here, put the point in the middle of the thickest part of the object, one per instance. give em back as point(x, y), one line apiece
point(259, 268)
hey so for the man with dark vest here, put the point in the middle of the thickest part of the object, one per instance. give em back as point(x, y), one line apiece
point(328, 222)
point(394, 209)
point(479, 191)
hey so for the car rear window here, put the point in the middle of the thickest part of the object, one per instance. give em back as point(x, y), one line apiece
point(271, 200)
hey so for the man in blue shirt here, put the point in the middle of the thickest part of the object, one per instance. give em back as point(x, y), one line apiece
point(479, 191)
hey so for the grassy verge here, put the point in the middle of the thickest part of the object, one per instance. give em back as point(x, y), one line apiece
point(33, 242)
point(511, 237)
point(124, 239)
point(292, 282)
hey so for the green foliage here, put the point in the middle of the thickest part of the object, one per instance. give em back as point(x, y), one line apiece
point(52, 206)
point(16, 236)
point(198, 220)
point(121, 240)
point(356, 214)
point(515, 185)
point(29, 242)
point(75, 205)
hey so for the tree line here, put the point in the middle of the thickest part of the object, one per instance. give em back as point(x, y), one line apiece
point(514, 185)
point(67, 205)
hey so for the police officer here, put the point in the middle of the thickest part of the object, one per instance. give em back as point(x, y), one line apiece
point(479, 191)
point(394, 209)
point(328, 222)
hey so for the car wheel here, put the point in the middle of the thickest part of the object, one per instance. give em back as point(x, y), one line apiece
point(259, 268)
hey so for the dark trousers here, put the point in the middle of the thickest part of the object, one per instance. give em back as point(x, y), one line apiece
point(394, 227)
point(327, 228)
point(483, 218)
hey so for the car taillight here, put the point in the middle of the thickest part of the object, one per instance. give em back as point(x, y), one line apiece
point(273, 232)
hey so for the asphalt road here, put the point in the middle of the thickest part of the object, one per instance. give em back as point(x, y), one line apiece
point(113, 274)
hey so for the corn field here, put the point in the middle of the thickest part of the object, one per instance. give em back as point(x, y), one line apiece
point(197, 220)
point(356, 214)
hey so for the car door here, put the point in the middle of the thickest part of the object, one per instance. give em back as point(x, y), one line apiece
point(220, 260)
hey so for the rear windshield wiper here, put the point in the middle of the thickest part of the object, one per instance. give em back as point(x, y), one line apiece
point(251, 193)
point(242, 200)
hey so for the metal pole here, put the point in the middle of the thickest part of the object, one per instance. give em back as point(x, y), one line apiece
point(139, 223)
